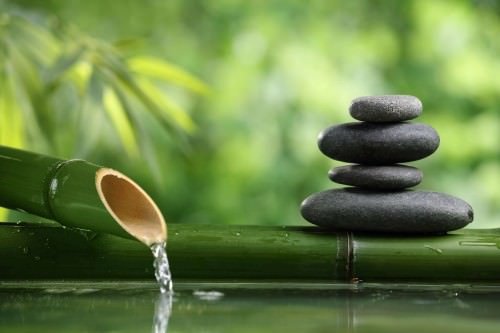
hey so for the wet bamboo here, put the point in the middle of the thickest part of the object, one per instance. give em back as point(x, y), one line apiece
point(78, 194)
point(223, 252)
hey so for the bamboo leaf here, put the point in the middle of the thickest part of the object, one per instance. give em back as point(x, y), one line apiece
point(166, 105)
point(63, 64)
point(37, 42)
point(128, 43)
point(41, 66)
point(25, 69)
point(120, 120)
point(25, 107)
point(160, 69)
point(144, 140)
point(90, 115)
point(11, 123)
point(79, 75)
point(119, 72)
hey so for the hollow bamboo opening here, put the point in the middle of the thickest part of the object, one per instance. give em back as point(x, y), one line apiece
point(131, 206)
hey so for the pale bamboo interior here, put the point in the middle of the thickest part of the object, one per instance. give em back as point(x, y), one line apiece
point(131, 206)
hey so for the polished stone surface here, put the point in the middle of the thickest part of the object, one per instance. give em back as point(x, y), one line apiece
point(385, 108)
point(408, 212)
point(378, 144)
point(384, 177)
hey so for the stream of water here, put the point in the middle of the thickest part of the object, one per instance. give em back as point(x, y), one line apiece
point(162, 268)
point(163, 309)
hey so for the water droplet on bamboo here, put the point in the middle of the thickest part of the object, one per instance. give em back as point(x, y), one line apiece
point(88, 235)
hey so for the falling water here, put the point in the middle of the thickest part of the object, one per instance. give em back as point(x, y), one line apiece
point(162, 268)
point(163, 309)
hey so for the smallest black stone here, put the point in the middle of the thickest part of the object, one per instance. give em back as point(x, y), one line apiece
point(387, 177)
point(385, 108)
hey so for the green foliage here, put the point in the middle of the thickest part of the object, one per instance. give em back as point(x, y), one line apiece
point(280, 72)
point(69, 89)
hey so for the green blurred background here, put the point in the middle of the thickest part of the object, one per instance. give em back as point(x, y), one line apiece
point(214, 106)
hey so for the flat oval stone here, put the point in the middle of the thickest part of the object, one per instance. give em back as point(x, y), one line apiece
point(385, 177)
point(378, 144)
point(385, 108)
point(414, 212)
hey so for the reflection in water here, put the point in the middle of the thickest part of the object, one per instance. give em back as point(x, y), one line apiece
point(163, 309)
point(212, 295)
point(249, 307)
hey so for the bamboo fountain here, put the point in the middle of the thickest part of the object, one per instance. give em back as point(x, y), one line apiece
point(100, 237)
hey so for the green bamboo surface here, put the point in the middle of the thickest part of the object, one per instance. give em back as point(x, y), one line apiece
point(464, 255)
point(60, 190)
point(203, 252)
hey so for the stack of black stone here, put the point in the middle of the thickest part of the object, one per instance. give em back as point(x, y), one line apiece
point(379, 200)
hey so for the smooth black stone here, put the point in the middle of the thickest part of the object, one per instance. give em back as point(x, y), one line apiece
point(385, 177)
point(378, 144)
point(386, 108)
point(413, 212)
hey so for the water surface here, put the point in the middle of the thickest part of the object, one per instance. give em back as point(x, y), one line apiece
point(247, 307)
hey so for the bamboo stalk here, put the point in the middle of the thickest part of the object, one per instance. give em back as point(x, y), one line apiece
point(78, 194)
point(223, 252)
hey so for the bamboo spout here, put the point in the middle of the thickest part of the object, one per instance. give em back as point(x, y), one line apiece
point(130, 206)
point(79, 194)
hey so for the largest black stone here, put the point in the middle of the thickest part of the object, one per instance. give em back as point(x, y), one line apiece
point(409, 212)
point(368, 143)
